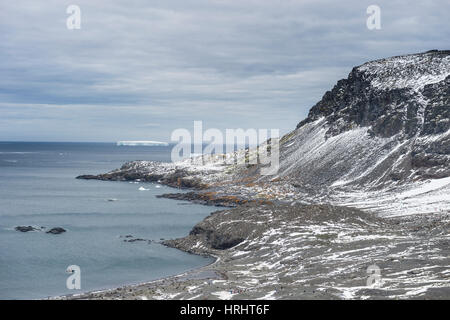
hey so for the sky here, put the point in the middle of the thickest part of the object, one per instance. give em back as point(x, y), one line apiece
point(139, 69)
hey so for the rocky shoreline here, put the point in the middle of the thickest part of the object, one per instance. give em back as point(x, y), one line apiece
point(276, 251)
point(362, 187)
point(284, 249)
point(269, 246)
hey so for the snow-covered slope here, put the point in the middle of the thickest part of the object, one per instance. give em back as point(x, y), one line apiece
point(387, 124)
point(410, 71)
point(378, 140)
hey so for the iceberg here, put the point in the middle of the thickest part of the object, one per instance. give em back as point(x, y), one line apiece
point(142, 143)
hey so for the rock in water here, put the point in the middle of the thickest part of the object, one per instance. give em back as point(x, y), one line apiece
point(25, 228)
point(56, 230)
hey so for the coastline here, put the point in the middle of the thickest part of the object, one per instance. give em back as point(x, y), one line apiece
point(281, 248)
point(192, 274)
point(307, 146)
point(322, 253)
point(115, 293)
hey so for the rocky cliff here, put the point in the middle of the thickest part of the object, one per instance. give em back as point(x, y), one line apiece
point(387, 123)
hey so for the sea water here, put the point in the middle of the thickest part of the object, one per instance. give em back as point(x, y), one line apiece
point(38, 188)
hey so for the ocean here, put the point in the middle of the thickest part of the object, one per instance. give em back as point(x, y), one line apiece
point(38, 188)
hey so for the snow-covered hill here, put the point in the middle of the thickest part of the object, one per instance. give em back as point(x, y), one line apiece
point(386, 128)
point(388, 122)
point(379, 140)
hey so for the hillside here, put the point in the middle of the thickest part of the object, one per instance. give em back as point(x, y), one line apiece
point(387, 123)
point(378, 141)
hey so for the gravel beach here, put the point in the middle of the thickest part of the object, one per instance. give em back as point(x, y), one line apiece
point(306, 252)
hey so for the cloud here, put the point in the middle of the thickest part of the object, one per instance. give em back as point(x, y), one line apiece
point(248, 63)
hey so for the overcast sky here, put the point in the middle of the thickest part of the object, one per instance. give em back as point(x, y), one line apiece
point(138, 69)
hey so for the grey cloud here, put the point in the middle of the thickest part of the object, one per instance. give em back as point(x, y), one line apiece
point(230, 63)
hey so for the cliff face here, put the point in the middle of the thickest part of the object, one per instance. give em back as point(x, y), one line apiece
point(388, 122)
point(406, 94)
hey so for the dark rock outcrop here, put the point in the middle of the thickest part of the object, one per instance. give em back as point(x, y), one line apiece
point(149, 171)
point(389, 110)
point(26, 228)
point(57, 230)
point(204, 199)
point(212, 199)
point(217, 240)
